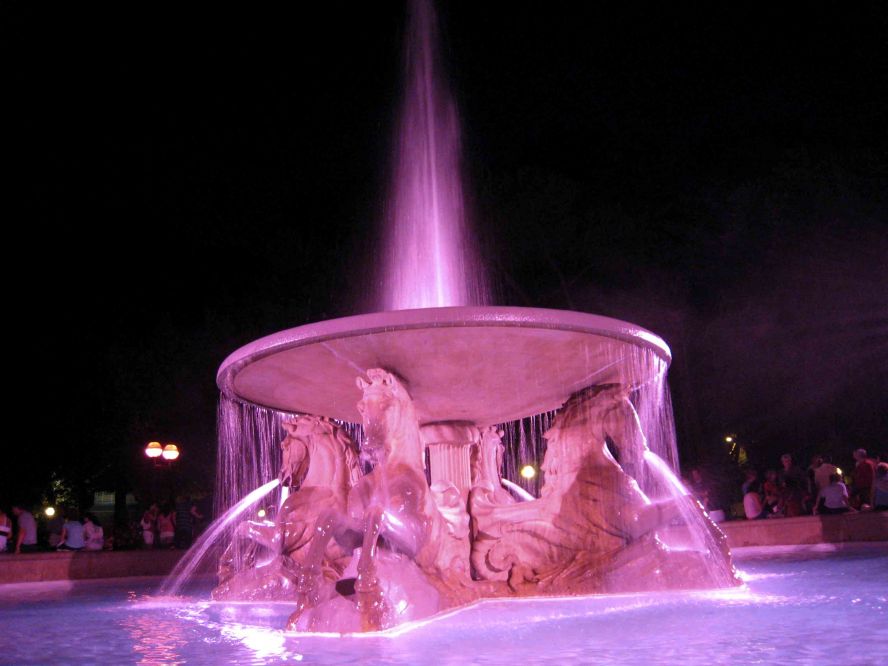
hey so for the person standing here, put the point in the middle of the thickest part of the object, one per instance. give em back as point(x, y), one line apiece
point(792, 483)
point(863, 477)
point(823, 472)
point(149, 524)
point(26, 538)
point(166, 525)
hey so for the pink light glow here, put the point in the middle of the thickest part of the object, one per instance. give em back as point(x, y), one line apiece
point(188, 564)
point(431, 260)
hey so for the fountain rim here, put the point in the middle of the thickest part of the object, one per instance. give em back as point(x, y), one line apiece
point(438, 317)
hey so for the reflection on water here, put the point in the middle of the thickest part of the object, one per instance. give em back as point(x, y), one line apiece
point(156, 640)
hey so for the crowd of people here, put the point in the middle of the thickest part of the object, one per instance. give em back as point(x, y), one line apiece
point(170, 526)
point(66, 531)
point(819, 490)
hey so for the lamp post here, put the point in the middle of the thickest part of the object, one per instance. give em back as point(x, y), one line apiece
point(157, 452)
point(162, 456)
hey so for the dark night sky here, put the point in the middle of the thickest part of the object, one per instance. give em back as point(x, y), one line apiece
point(186, 180)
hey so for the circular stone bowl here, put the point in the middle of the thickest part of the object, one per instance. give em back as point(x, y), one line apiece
point(485, 364)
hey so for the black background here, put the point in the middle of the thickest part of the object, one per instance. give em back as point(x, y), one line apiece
point(186, 178)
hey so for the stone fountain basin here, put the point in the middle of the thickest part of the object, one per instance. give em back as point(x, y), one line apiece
point(485, 365)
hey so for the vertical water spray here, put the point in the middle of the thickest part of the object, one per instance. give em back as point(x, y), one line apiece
point(431, 260)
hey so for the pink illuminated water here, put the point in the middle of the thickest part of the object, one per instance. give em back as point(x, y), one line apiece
point(430, 258)
point(210, 539)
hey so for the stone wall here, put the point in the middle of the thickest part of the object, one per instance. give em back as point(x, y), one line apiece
point(865, 526)
point(33, 567)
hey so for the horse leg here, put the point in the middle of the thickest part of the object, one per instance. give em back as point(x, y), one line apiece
point(310, 572)
point(371, 602)
point(262, 533)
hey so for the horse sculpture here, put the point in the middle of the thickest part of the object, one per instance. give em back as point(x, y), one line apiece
point(365, 553)
point(320, 465)
point(395, 504)
point(593, 529)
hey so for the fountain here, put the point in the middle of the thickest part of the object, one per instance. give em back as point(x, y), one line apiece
point(369, 475)
point(393, 504)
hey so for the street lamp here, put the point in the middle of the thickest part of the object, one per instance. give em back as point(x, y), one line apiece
point(153, 450)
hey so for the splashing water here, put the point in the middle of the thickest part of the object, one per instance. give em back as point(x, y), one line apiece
point(431, 260)
point(214, 533)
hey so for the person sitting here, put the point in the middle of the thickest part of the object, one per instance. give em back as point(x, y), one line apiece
point(54, 528)
point(752, 502)
point(833, 498)
point(72, 532)
point(880, 488)
point(93, 533)
point(773, 499)
point(751, 479)
point(5, 530)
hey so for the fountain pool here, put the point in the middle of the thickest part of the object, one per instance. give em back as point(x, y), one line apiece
point(799, 605)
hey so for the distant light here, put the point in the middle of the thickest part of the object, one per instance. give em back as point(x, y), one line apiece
point(153, 450)
point(50, 512)
point(261, 513)
point(170, 452)
point(839, 471)
point(729, 439)
point(528, 471)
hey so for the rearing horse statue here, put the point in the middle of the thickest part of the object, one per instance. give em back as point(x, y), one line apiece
point(320, 462)
point(393, 502)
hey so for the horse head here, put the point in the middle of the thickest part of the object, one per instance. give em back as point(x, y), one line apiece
point(389, 417)
point(317, 452)
point(577, 436)
point(295, 456)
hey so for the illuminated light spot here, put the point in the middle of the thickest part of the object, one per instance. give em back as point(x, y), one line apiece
point(50, 512)
point(729, 439)
point(528, 471)
point(261, 513)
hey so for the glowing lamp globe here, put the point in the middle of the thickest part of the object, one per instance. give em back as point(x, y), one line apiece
point(170, 452)
point(153, 450)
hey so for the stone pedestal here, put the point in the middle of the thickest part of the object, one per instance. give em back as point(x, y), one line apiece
point(449, 447)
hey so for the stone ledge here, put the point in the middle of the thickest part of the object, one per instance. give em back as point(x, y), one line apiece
point(67, 565)
point(864, 526)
